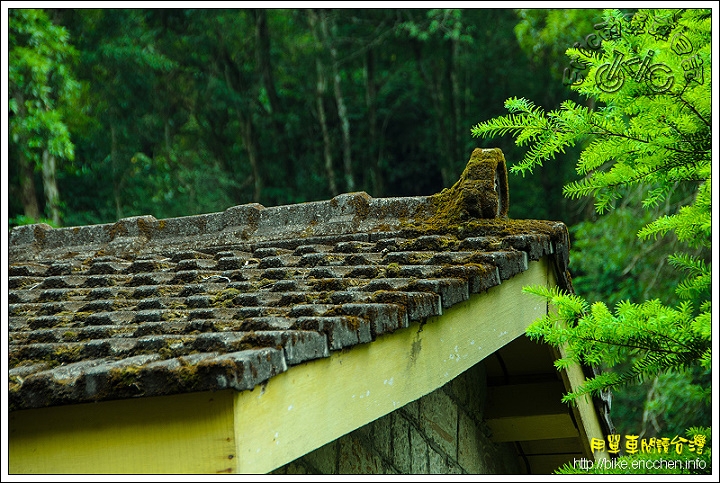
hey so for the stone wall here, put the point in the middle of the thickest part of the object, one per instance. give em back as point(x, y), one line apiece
point(440, 433)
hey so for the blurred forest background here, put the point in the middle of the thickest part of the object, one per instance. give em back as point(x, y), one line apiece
point(174, 112)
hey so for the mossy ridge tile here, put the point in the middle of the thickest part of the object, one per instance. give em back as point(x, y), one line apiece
point(115, 318)
point(48, 321)
point(364, 271)
point(301, 346)
point(145, 278)
point(27, 269)
point(108, 293)
point(508, 262)
point(26, 337)
point(200, 372)
point(200, 264)
point(341, 330)
point(49, 296)
point(67, 334)
point(437, 242)
point(415, 271)
point(269, 251)
point(265, 322)
point(61, 352)
point(19, 298)
point(18, 323)
point(363, 259)
point(451, 290)
point(178, 256)
point(321, 259)
point(150, 265)
point(383, 317)
point(301, 310)
point(24, 309)
point(329, 272)
point(298, 345)
point(24, 282)
point(535, 245)
point(160, 328)
point(301, 250)
point(408, 257)
point(353, 247)
point(321, 240)
point(479, 276)
point(233, 262)
point(28, 368)
point(417, 305)
point(454, 257)
point(83, 381)
point(106, 267)
point(276, 261)
point(386, 283)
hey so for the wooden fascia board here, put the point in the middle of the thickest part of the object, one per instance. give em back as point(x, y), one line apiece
point(292, 414)
point(584, 410)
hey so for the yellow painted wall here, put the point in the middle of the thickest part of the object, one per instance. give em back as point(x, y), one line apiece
point(190, 433)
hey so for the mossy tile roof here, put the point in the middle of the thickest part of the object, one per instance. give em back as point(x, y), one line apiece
point(147, 307)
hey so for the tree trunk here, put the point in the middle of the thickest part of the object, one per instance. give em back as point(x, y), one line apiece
point(27, 185)
point(168, 141)
point(444, 139)
point(248, 137)
point(115, 171)
point(264, 66)
point(456, 102)
point(371, 102)
point(262, 55)
point(342, 110)
point(250, 142)
point(319, 94)
point(52, 194)
point(26, 170)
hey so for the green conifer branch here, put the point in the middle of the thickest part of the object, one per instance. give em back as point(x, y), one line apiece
point(653, 142)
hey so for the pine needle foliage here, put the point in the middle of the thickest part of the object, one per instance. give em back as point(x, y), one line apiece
point(650, 130)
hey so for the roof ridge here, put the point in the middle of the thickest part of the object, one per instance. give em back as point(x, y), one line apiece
point(252, 222)
point(481, 192)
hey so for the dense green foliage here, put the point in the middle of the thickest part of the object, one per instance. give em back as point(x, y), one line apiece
point(41, 90)
point(190, 111)
point(646, 142)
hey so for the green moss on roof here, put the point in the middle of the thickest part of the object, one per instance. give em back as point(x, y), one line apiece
point(352, 246)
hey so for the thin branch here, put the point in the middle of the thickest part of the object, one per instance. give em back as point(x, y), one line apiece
point(605, 132)
point(690, 106)
point(630, 346)
point(689, 349)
